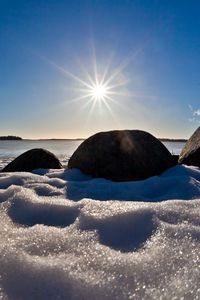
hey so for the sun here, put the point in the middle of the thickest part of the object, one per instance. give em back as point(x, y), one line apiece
point(99, 88)
point(99, 91)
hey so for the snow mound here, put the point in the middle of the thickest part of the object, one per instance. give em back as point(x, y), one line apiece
point(56, 247)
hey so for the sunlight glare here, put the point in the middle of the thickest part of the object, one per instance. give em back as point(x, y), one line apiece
point(99, 91)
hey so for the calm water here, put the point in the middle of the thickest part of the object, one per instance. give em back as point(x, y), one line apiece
point(63, 149)
point(174, 147)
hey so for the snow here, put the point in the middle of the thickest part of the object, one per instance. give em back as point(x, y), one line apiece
point(65, 236)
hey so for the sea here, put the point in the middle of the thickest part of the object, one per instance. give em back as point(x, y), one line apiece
point(63, 149)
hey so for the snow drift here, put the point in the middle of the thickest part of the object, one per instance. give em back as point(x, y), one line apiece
point(59, 241)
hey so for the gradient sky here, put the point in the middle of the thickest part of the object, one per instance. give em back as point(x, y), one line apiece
point(151, 48)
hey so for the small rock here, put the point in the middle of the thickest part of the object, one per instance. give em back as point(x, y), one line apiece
point(33, 159)
point(175, 158)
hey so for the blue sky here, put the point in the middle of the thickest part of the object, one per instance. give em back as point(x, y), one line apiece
point(150, 48)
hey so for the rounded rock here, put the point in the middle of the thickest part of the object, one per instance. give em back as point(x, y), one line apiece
point(122, 155)
point(33, 159)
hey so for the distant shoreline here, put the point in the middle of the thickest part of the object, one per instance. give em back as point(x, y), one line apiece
point(15, 138)
point(173, 140)
point(10, 138)
point(54, 139)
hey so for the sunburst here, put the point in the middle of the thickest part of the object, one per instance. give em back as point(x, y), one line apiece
point(97, 89)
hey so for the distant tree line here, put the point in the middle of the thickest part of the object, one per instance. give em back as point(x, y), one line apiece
point(172, 140)
point(10, 137)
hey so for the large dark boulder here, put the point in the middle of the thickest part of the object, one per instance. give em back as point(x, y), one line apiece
point(33, 159)
point(190, 154)
point(175, 158)
point(122, 155)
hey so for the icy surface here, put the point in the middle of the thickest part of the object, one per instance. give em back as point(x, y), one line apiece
point(59, 240)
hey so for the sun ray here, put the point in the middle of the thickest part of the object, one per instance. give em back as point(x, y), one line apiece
point(106, 69)
point(117, 103)
point(74, 100)
point(79, 98)
point(110, 111)
point(99, 88)
point(94, 62)
point(118, 84)
point(119, 93)
point(87, 103)
point(91, 110)
point(85, 71)
point(67, 73)
point(123, 65)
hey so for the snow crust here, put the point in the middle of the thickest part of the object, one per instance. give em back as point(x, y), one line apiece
point(65, 236)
